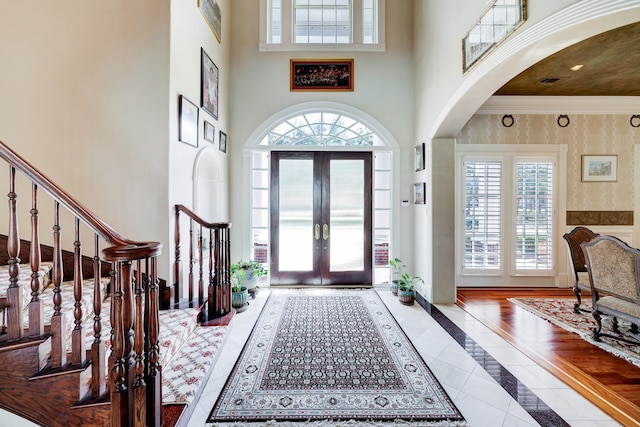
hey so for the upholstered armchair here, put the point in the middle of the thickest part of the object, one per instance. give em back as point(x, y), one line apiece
point(581, 280)
point(614, 269)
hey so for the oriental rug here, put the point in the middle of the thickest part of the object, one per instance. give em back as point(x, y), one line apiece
point(559, 311)
point(331, 357)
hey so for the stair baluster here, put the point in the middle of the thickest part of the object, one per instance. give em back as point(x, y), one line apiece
point(78, 346)
point(36, 308)
point(58, 327)
point(14, 293)
point(98, 351)
point(218, 293)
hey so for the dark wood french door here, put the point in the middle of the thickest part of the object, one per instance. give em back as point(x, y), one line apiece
point(320, 218)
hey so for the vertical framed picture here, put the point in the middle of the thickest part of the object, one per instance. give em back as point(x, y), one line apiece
point(418, 193)
point(222, 140)
point(599, 168)
point(209, 131)
point(419, 156)
point(209, 76)
point(187, 122)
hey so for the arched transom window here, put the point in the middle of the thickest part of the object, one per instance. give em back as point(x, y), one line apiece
point(321, 129)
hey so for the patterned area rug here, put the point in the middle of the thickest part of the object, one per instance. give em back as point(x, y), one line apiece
point(559, 311)
point(339, 355)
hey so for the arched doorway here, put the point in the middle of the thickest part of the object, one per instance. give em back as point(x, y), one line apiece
point(314, 132)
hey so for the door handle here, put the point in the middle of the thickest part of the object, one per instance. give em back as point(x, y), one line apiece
point(325, 232)
point(317, 232)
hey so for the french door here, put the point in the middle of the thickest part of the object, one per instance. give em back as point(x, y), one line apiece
point(320, 218)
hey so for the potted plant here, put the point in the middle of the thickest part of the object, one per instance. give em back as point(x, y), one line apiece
point(396, 266)
point(239, 293)
point(406, 288)
point(253, 270)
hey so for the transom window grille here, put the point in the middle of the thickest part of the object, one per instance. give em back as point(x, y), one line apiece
point(323, 129)
point(322, 21)
point(314, 23)
point(482, 214)
point(534, 215)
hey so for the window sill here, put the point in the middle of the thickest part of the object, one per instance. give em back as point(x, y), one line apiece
point(314, 47)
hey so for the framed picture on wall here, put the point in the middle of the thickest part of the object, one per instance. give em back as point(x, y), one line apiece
point(188, 122)
point(211, 13)
point(321, 74)
point(599, 168)
point(419, 156)
point(209, 131)
point(208, 85)
point(418, 193)
point(222, 140)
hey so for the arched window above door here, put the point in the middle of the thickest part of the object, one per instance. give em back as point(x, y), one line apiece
point(321, 129)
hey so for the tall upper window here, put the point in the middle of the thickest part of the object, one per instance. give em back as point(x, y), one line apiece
point(322, 21)
point(322, 24)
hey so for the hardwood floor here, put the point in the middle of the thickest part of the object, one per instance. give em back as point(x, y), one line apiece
point(606, 380)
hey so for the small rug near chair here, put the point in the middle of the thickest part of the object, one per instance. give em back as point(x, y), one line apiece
point(339, 355)
point(559, 311)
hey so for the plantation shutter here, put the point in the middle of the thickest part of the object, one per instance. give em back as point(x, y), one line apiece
point(482, 213)
point(534, 215)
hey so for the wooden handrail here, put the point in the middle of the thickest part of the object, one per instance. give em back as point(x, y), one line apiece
point(134, 381)
point(198, 220)
point(88, 217)
point(218, 293)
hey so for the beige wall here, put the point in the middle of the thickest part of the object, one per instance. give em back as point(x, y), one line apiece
point(89, 96)
point(383, 84)
point(84, 98)
point(585, 134)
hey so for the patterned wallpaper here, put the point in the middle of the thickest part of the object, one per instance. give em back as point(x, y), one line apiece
point(585, 134)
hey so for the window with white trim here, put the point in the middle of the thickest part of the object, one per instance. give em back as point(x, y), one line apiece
point(320, 130)
point(507, 215)
point(482, 214)
point(322, 21)
point(322, 25)
point(534, 215)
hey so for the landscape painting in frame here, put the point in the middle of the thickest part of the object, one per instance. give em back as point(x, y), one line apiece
point(599, 168)
point(322, 74)
point(211, 12)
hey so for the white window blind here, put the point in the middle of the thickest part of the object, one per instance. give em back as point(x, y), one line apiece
point(534, 215)
point(482, 214)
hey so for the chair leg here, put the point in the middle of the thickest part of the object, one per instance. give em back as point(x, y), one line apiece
point(576, 306)
point(614, 322)
point(598, 328)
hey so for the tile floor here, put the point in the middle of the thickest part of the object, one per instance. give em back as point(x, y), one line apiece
point(491, 383)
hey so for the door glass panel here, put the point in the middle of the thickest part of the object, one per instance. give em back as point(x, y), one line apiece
point(346, 215)
point(296, 215)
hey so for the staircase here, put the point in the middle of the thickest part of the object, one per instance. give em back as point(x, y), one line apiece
point(99, 339)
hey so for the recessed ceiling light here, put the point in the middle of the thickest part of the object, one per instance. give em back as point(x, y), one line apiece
point(577, 67)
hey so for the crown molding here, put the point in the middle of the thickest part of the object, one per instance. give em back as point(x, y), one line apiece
point(561, 105)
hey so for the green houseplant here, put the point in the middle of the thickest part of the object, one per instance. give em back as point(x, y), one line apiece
point(248, 273)
point(396, 268)
point(406, 288)
point(239, 292)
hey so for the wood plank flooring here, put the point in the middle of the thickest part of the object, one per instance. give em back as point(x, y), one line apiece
point(606, 380)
